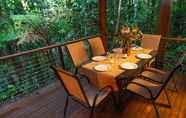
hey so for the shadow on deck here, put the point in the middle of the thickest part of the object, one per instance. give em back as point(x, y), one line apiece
point(49, 102)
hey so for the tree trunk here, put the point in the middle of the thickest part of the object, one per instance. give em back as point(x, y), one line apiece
point(118, 17)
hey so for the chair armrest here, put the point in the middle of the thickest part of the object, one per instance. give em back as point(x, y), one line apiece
point(105, 88)
point(155, 70)
point(83, 75)
point(121, 82)
point(100, 91)
point(151, 62)
point(149, 91)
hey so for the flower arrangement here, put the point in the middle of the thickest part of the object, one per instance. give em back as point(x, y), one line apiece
point(127, 36)
point(131, 33)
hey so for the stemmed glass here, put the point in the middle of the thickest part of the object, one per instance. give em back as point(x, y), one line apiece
point(110, 57)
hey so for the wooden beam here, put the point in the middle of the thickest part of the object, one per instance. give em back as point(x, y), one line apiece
point(164, 18)
point(102, 22)
point(163, 28)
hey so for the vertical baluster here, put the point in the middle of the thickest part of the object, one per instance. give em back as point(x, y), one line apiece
point(61, 55)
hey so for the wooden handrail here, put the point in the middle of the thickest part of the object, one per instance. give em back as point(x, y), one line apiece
point(102, 22)
point(44, 48)
point(162, 49)
point(170, 39)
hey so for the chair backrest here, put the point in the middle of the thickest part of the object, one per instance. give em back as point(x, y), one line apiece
point(97, 46)
point(71, 84)
point(150, 41)
point(177, 66)
point(180, 61)
point(78, 53)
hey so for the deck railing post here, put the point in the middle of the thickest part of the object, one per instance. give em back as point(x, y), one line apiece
point(61, 55)
point(102, 22)
point(163, 28)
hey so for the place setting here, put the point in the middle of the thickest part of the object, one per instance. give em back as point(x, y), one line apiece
point(99, 58)
point(103, 67)
point(144, 56)
point(119, 51)
point(129, 66)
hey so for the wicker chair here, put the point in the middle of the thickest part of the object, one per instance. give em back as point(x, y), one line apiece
point(151, 90)
point(88, 96)
point(97, 47)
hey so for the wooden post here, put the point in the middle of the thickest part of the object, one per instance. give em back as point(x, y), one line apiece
point(61, 55)
point(102, 22)
point(163, 28)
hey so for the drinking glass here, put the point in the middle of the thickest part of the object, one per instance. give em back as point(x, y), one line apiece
point(110, 57)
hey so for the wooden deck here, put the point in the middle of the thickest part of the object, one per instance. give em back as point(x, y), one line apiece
point(49, 102)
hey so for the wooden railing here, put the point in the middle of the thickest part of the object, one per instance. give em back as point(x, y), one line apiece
point(177, 40)
point(173, 48)
point(24, 72)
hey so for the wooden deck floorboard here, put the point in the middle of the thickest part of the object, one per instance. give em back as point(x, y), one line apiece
point(49, 102)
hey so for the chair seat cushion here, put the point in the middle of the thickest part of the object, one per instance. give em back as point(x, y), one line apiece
point(91, 92)
point(155, 75)
point(139, 90)
point(156, 70)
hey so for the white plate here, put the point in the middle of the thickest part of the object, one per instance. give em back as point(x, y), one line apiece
point(103, 67)
point(144, 56)
point(99, 58)
point(137, 48)
point(129, 66)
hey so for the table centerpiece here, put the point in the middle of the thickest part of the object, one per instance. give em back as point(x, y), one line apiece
point(128, 35)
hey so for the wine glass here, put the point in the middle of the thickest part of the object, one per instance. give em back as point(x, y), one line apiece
point(110, 57)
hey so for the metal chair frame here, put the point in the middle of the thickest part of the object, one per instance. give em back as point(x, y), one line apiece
point(173, 80)
point(180, 61)
point(87, 104)
point(77, 67)
point(163, 85)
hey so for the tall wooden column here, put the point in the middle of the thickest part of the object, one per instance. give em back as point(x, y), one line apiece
point(163, 28)
point(102, 22)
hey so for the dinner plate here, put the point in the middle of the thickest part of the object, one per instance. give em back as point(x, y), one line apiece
point(129, 66)
point(99, 58)
point(103, 67)
point(144, 56)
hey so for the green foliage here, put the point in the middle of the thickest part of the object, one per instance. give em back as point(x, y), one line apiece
point(178, 19)
point(9, 93)
point(40, 23)
point(6, 24)
point(141, 12)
